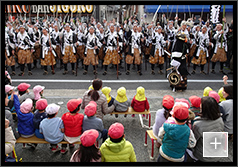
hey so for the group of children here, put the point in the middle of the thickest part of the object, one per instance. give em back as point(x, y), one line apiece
point(139, 102)
point(179, 127)
point(175, 124)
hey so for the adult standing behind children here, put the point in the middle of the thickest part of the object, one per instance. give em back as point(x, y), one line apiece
point(97, 96)
point(209, 121)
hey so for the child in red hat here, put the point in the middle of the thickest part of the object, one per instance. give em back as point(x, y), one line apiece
point(90, 121)
point(163, 114)
point(73, 121)
point(175, 136)
point(116, 148)
point(87, 151)
point(24, 92)
point(195, 104)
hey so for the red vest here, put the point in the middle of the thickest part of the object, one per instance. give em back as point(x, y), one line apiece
point(72, 124)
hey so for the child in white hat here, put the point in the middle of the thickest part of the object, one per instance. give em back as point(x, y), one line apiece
point(53, 128)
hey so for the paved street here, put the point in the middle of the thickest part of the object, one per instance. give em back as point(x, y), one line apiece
point(60, 88)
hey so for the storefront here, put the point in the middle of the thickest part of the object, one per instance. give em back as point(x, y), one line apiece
point(64, 12)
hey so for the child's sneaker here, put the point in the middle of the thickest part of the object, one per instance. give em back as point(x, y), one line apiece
point(55, 149)
point(63, 150)
point(71, 145)
point(133, 115)
point(125, 115)
point(33, 145)
point(143, 115)
point(116, 115)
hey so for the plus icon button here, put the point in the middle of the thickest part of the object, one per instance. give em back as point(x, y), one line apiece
point(215, 143)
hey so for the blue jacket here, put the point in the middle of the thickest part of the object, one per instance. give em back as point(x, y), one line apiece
point(25, 121)
point(175, 140)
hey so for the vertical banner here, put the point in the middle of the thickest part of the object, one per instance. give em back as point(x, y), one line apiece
point(214, 15)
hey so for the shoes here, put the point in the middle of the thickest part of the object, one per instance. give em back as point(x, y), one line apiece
point(125, 115)
point(119, 73)
point(21, 74)
point(160, 72)
point(104, 73)
point(202, 72)
point(213, 71)
point(133, 115)
point(138, 72)
point(65, 72)
point(29, 73)
point(116, 115)
point(95, 72)
point(45, 73)
point(194, 72)
point(153, 72)
point(32, 145)
point(55, 149)
point(127, 72)
point(73, 72)
point(13, 73)
point(63, 150)
point(85, 72)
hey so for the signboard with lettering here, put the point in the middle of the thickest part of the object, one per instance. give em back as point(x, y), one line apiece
point(87, 9)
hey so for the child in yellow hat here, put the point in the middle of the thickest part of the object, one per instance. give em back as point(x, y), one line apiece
point(106, 91)
point(121, 102)
point(140, 103)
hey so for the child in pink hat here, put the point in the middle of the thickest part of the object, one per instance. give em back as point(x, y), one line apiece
point(87, 151)
point(25, 118)
point(39, 115)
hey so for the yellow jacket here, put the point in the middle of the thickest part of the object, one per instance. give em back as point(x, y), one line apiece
point(117, 152)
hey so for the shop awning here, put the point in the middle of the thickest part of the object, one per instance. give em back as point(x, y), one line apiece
point(183, 8)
